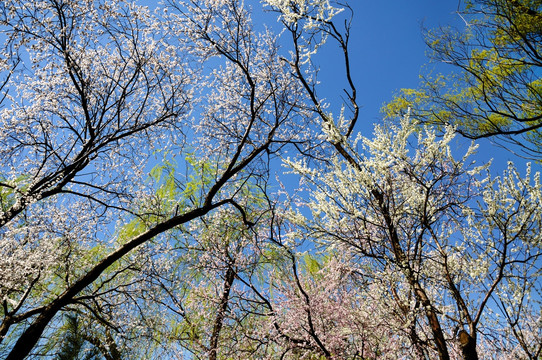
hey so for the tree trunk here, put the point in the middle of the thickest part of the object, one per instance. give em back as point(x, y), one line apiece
point(402, 261)
point(221, 313)
point(468, 346)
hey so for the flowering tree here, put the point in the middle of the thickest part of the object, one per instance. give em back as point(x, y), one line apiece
point(458, 251)
point(134, 192)
point(89, 86)
point(448, 243)
point(91, 90)
point(319, 306)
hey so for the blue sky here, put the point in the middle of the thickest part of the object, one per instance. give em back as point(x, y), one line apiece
point(388, 46)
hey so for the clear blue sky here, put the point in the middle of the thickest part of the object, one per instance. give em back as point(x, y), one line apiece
point(388, 46)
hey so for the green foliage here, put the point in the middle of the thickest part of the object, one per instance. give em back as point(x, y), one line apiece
point(74, 345)
point(202, 173)
point(10, 189)
point(312, 265)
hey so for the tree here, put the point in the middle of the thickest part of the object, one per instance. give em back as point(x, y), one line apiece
point(455, 250)
point(496, 90)
point(320, 307)
point(401, 213)
point(73, 345)
point(202, 289)
point(103, 87)
point(136, 192)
